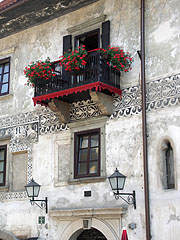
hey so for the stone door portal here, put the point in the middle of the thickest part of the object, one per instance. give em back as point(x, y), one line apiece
point(91, 234)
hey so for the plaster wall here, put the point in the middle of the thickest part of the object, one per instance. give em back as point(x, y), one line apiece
point(123, 150)
point(123, 141)
point(45, 40)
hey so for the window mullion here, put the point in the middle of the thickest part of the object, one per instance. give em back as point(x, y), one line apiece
point(99, 152)
point(1, 78)
point(4, 167)
point(76, 154)
point(88, 157)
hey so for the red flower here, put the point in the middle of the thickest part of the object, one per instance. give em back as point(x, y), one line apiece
point(72, 60)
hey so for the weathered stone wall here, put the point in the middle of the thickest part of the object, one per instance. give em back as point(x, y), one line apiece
point(123, 134)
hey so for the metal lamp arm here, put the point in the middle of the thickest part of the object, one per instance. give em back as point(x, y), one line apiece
point(43, 203)
point(131, 197)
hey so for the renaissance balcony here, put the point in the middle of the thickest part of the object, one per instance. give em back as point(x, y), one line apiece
point(95, 80)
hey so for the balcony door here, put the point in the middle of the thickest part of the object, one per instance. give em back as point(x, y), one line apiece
point(91, 40)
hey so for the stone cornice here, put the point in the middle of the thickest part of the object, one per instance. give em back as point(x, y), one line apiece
point(72, 214)
point(87, 24)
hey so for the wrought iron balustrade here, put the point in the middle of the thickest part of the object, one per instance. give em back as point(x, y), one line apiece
point(96, 70)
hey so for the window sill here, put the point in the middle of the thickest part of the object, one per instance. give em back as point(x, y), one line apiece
point(5, 96)
point(4, 189)
point(169, 189)
point(87, 180)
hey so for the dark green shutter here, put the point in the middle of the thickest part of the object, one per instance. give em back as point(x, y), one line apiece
point(67, 44)
point(105, 34)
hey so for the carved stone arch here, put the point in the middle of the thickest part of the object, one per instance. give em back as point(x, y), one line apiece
point(4, 235)
point(76, 227)
point(162, 145)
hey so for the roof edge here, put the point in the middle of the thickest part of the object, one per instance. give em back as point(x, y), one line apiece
point(9, 4)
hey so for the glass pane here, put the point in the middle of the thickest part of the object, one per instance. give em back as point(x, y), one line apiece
point(94, 140)
point(5, 78)
point(29, 191)
point(113, 182)
point(6, 68)
point(121, 183)
point(84, 142)
point(0, 69)
point(94, 154)
point(36, 190)
point(171, 167)
point(1, 178)
point(82, 168)
point(93, 167)
point(1, 154)
point(1, 166)
point(4, 88)
point(83, 155)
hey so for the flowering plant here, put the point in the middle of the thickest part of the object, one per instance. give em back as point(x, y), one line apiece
point(38, 69)
point(73, 60)
point(118, 59)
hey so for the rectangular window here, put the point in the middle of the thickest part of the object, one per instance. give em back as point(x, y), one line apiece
point(3, 151)
point(4, 76)
point(87, 153)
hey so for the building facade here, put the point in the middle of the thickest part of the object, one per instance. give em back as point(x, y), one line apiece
point(47, 141)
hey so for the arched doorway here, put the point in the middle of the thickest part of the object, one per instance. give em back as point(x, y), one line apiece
point(91, 234)
point(75, 229)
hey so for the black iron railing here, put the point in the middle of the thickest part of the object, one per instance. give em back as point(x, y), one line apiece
point(96, 70)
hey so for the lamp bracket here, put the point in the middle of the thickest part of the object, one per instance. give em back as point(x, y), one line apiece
point(43, 203)
point(131, 197)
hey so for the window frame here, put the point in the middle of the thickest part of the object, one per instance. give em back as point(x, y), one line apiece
point(3, 62)
point(4, 147)
point(77, 136)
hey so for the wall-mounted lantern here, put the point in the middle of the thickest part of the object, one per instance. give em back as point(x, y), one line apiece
point(32, 190)
point(117, 182)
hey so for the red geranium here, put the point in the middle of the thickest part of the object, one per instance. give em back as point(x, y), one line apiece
point(38, 69)
point(74, 60)
point(118, 59)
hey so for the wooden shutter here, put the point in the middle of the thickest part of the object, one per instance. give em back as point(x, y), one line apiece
point(105, 34)
point(67, 44)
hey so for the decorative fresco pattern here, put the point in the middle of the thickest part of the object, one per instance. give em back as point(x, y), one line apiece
point(49, 123)
point(84, 109)
point(12, 195)
point(24, 129)
point(160, 94)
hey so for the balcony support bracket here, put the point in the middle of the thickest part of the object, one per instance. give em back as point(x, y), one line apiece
point(62, 109)
point(104, 102)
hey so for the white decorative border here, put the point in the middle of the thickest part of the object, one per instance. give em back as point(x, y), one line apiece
point(161, 93)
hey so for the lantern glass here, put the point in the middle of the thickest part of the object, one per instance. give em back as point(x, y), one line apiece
point(113, 183)
point(32, 189)
point(121, 182)
point(117, 181)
